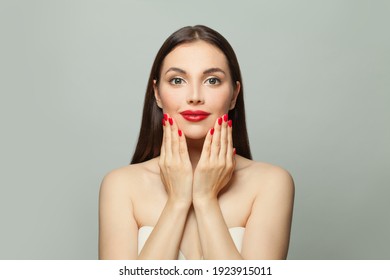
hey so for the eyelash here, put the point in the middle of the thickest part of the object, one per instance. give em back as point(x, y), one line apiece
point(217, 81)
point(171, 81)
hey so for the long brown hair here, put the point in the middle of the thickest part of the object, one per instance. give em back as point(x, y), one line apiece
point(150, 136)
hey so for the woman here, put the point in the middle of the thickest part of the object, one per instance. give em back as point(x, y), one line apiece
point(192, 190)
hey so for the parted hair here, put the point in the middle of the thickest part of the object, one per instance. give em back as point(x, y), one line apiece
point(151, 132)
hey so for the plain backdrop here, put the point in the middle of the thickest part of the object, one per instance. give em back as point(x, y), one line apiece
point(73, 76)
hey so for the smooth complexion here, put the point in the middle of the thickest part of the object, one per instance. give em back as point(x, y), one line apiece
point(197, 188)
point(196, 76)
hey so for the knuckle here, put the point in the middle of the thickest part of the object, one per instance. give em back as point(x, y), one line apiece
point(229, 165)
point(221, 164)
point(170, 164)
point(202, 167)
point(161, 161)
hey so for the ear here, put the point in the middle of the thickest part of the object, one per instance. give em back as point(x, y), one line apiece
point(156, 94)
point(236, 91)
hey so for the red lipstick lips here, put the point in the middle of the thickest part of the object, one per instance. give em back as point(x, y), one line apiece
point(194, 116)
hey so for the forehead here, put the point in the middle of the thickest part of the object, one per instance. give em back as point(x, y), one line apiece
point(198, 55)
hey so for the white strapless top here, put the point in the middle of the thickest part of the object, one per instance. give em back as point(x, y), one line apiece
point(237, 234)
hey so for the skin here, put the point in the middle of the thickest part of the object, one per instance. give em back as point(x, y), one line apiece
point(198, 187)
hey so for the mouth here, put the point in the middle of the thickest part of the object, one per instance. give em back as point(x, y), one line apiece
point(194, 116)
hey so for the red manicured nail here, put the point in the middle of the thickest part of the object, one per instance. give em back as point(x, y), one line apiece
point(165, 117)
point(170, 121)
point(163, 122)
point(225, 118)
point(220, 121)
point(230, 123)
point(234, 151)
point(180, 133)
point(212, 131)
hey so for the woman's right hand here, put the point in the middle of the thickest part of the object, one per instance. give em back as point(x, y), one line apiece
point(175, 165)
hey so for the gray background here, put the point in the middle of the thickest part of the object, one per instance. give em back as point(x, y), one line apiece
point(317, 84)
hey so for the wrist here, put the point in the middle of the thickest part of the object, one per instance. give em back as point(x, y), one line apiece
point(180, 204)
point(204, 201)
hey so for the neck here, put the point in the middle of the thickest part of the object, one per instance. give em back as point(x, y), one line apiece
point(195, 147)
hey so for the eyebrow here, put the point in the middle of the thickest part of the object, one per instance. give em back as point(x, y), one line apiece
point(213, 70)
point(207, 71)
point(175, 69)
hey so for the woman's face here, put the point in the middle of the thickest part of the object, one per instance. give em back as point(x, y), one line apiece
point(195, 87)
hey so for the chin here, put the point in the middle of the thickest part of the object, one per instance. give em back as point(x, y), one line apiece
point(195, 134)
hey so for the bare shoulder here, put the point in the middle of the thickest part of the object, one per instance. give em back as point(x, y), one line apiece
point(123, 180)
point(266, 177)
point(269, 223)
point(117, 239)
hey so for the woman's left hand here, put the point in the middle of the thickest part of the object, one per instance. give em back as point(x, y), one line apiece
point(217, 161)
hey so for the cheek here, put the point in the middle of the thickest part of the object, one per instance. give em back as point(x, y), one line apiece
point(222, 100)
point(168, 99)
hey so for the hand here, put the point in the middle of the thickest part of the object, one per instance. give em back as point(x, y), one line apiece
point(217, 161)
point(175, 165)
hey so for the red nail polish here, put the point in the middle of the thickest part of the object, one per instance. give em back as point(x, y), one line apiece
point(230, 123)
point(220, 121)
point(165, 117)
point(170, 121)
point(180, 133)
point(225, 118)
point(163, 122)
point(212, 131)
point(234, 151)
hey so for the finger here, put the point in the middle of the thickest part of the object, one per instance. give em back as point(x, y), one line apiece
point(162, 151)
point(206, 150)
point(224, 138)
point(230, 155)
point(234, 158)
point(183, 150)
point(174, 137)
point(216, 141)
point(168, 139)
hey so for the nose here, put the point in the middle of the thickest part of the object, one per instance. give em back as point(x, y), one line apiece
point(195, 96)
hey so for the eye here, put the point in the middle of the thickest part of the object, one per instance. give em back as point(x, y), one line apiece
point(213, 81)
point(176, 81)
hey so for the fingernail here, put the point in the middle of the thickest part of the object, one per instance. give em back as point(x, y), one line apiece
point(165, 117)
point(225, 118)
point(220, 121)
point(180, 133)
point(234, 151)
point(163, 122)
point(230, 123)
point(170, 121)
point(212, 131)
